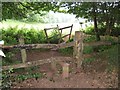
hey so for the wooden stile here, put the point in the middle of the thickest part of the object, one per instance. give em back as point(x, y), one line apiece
point(23, 51)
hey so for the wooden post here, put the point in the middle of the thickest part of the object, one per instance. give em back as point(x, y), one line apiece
point(53, 64)
point(23, 51)
point(78, 48)
point(65, 70)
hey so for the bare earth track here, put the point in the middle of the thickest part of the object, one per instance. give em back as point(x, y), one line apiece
point(92, 75)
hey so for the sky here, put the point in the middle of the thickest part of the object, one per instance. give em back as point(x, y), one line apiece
point(66, 17)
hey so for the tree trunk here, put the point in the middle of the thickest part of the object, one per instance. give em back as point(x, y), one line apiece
point(95, 23)
point(109, 26)
point(96, 29)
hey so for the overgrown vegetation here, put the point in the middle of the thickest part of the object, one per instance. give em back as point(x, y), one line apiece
point(9, 76)
point(102, 30)
point(111, 55)
point(66, 51)
point(105, 16)
point(11, 36)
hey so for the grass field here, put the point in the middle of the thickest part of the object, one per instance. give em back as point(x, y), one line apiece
point(40, 26)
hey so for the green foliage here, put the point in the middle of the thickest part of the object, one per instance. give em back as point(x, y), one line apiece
point(20, 10)
point(55, 36)
point(106, 12)
point(101, 48)
point(88, 60)
point(102, 30)
point(32, 36)
point(116, 31)
point(11, 35)
point(10, 57)
point(112, 56)
point(7, 79)
point(27, 76)
point(89, 30)
point(109, 38)
point(66, 51)
point(88, 50)
point(90, 38)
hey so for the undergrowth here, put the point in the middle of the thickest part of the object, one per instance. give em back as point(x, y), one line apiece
point(10, 36)
point(9, 77)
point(111, 55)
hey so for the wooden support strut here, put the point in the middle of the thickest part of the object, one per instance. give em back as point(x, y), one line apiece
point(78, 48)
point(30, 46)
point(37, 63)
point(23, 51)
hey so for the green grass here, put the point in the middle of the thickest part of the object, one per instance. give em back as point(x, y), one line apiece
point(88, 50)
point(28, 76)
point(66, 51)
point(111, 55)
point(14, 23)
point(89, 60)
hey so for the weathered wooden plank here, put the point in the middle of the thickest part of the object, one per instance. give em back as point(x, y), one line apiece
point(89, 55)
point(70, 31)
point(30, 46)
point(57, 46)
point(45, 30)
point(36, 63)
point(63, 45)
point(98, 43)
point(27, 64)
point(65, 27)
point(51, 28)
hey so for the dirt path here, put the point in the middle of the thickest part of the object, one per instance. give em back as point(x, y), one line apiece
point(80, 80)
point(85, 78)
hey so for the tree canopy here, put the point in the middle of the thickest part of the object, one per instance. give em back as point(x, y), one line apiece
point(107, 13)
point(19, 10)
point(100, 12)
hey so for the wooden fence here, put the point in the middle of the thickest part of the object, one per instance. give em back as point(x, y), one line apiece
point(59, 32)
point(77, 44)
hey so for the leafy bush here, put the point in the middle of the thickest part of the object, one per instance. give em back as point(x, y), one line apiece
point(116, 31)
point(11, 35)
point(6, 79)
point(100, 48)
point(102, 30)
point(32, 36)
point(9, 77)
point(89, 30)
point(90, 39)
